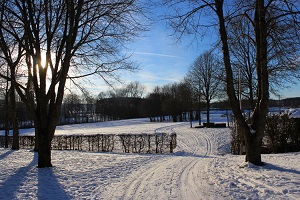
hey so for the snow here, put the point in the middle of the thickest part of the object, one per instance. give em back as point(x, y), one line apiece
point(200, 168)
point(295, 113)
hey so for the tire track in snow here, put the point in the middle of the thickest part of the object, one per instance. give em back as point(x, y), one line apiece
point(159, 176)
point(153, 180)
point(209, 145)
point(188, 175)
point(188, 185)
point(200, 145)
point(188, 148)
point(168, 129)
point(193, 177)
point(191, 148)
point(176, 176)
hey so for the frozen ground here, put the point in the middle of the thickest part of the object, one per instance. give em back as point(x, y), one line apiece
point(200, 168)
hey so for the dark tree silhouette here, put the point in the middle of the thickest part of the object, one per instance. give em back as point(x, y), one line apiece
point(263, 16)
point(205, 78)
point(60, 40)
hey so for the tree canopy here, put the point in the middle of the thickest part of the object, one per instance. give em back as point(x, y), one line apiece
point(47, 42)
point(273, 25)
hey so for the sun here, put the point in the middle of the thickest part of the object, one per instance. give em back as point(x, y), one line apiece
point(44, 63)
point(43, 59)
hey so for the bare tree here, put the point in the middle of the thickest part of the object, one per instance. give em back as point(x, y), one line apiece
point(90, 106)
point(205, 77)
point(242, 48)
point(175, 100)
point(60, 40)
point(5, 108)
point(263, 15)
point(152, 105)
point(135, 89)
point(72, 106)
point(11, 55)
point(283, 66)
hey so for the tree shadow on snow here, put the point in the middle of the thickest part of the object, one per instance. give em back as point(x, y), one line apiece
point(48, 185)
point(277, 168)
point(4, 155)
point(187, 154)
point(12, 184)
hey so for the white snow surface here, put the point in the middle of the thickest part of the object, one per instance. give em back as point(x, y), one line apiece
point(200, 168)
point(295, 113)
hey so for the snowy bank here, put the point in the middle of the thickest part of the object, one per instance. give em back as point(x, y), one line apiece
point(200, 168)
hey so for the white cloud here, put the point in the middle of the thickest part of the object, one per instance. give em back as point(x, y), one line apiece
point(155, 54)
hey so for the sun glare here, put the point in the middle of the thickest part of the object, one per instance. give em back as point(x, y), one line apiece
point(43, 59)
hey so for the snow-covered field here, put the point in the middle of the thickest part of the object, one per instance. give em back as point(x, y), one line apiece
point(200, 168)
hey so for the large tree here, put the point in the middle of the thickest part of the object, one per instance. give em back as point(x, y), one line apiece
point(59, 40)
point(283, 51)
point(263, 16)
point(205, 78)
point(10, 55)
point(72, 107)
point(242, 47)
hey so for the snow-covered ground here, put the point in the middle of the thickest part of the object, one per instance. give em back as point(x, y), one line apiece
point(201, 168)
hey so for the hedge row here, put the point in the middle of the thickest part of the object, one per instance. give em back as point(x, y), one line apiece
point(282, 134)
point(127, 143)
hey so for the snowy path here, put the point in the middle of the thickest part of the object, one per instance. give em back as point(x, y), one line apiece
point(200, 168)
point(179, 176)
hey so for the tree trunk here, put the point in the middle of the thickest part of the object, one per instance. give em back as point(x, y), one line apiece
point(251, 96)
point(254, 139)
point(47, 117)
point(36, 141)
point(6, 116)
point(174, 118)
point(45, 128)
point(191, 118)
point(207, 113)
point(44, 155)
point(253, 149)
point(6, 134)
point(254, 133)
point(15, 144)
point(199, 109)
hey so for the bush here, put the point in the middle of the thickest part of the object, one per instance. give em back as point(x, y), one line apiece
point(282, 134)
point(128, 143)
point(280, 131)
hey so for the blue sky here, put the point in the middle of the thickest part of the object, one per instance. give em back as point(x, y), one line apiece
point(164, 61)
point(161, 60)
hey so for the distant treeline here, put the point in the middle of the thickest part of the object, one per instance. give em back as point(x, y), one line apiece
point(75, 112)
point(107, 109)
point(171, 102)
point(156, 106)
point(288, 103)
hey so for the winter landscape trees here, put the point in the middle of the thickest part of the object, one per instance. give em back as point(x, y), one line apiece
point(49, 42)
point(266, 18)
point(46, 44)
point(206, 79)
